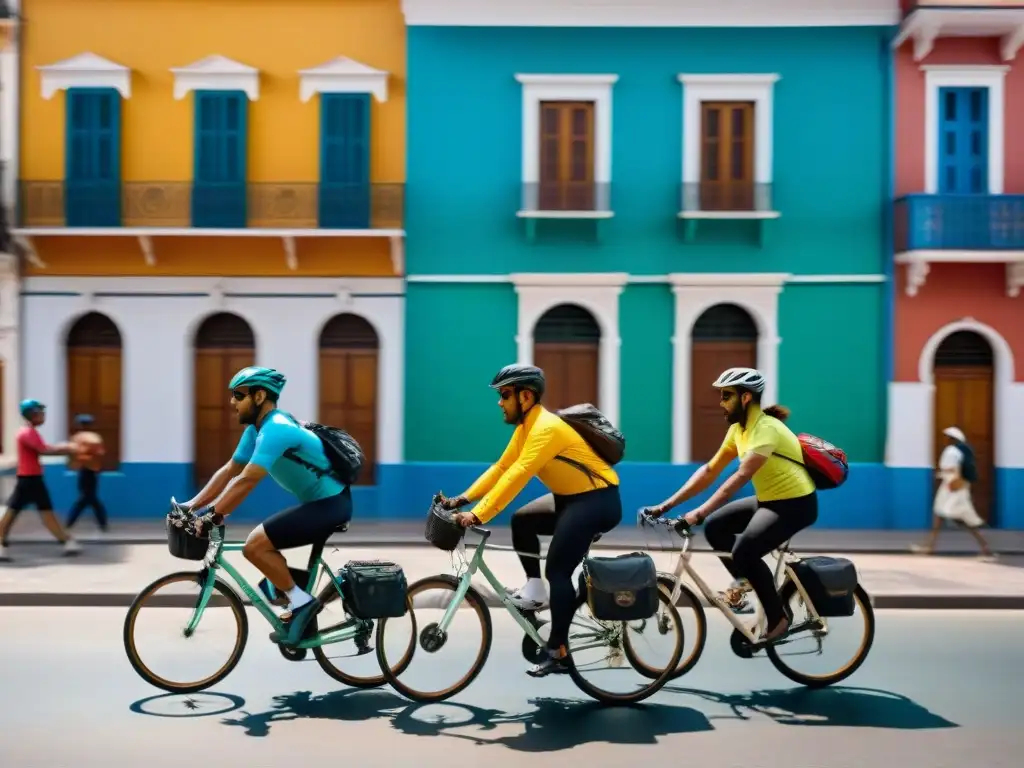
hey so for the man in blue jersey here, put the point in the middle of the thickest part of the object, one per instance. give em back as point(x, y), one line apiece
point(275, 443)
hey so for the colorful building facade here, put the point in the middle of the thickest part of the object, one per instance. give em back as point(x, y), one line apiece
point(959, 250)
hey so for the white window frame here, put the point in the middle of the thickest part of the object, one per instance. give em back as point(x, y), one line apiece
point(958, 76)
point(343, 75)
point(86, 70)
point(216, 73)
point(595, 88)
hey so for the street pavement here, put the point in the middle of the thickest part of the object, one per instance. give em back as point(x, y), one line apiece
point(939, 690)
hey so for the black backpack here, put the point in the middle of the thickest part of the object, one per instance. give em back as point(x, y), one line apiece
point(590, 424)
point(968, 466)
point(343, 452)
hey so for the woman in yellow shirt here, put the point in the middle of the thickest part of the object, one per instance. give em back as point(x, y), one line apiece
point(785, 500)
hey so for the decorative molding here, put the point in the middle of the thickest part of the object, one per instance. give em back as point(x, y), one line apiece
point(86, 70)
point(595, 88)
point(756, 278)
point(991, 77)
point(758, 88)
point(564, 279)
point(343, 75)
point(216, 73)
point(1011, 43)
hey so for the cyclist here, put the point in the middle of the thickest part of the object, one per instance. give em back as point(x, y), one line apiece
point(785, 500)
point(584, 501)
point(275, 443)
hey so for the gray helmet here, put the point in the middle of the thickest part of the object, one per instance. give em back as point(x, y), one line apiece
point(522, 376)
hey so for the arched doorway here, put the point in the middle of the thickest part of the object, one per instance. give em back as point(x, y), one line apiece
point(349, 358)
point(567, 344)
point(224, 345)
point(94, 380)
point(965, 398)
point(724, 336)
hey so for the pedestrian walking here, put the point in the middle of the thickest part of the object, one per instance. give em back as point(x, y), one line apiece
point(956, 471)
point(88, 460)
point(30, 488)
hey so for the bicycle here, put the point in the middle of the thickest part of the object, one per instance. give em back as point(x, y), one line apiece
point(743, 640)
point(211, 552)
point(603, 633)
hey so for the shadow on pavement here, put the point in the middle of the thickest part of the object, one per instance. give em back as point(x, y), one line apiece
point(845, 707)
point(44, 554)
point(555, 724)
point(201, 704)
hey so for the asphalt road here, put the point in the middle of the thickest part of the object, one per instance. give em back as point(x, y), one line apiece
point(939, 689)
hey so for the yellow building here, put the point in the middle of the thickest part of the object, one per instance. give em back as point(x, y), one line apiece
point(204, 184)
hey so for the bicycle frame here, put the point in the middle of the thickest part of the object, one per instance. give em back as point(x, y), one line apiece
point(215, 560)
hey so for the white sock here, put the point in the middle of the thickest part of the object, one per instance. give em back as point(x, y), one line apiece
point(298, 597)
point(535, 590)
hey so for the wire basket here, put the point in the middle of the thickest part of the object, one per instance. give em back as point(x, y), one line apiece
point(185, 546)
point(442, 530)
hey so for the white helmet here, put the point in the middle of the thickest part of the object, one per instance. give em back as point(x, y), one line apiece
point(748, 378)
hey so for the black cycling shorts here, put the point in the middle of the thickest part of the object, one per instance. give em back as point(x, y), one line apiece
point(309, 523)
point(30, 490)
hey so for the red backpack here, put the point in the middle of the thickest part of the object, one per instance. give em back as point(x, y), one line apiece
point(826, 464)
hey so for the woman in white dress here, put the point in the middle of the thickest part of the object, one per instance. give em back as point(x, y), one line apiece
point(953, 498)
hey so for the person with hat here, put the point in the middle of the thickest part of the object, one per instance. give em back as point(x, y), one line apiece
point(88, 460)
point(30, 488)
point(956, 471)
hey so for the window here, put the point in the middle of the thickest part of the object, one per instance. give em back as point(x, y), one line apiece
point(963, 141)
point(344, 195)
point(567, 155)
point(219, 188)
point(727, 156)
point(93, 158)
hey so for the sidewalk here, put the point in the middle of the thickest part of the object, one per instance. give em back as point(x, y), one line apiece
point(112, 574)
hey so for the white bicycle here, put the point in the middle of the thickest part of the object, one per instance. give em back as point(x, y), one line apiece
point(806, 624)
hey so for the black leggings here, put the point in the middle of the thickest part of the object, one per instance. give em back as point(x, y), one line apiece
point(749, 529)
point(573, 522)
point(88, 482)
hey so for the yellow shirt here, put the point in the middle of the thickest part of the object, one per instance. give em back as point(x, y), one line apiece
point(778, 478)
point(532, 450)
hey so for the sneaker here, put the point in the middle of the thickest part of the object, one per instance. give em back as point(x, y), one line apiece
point(72, 547)
point(736, 597)
point(5, 556)
point(552, 665)
point(517, 599)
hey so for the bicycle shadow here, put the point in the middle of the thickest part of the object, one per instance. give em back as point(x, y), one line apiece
point(847, 707)
point(555, 724)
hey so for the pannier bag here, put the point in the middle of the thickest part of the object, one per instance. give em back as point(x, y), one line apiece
point(374, 589)
point(830, 583)
point(622, 588)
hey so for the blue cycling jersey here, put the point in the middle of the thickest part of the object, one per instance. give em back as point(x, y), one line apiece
point(265, 447)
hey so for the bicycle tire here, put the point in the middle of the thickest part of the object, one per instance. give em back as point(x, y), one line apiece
point(686, 662)
point(234, 602)
point(656, 684)
point(475, 601)
point(330, 594)
point(861, 596)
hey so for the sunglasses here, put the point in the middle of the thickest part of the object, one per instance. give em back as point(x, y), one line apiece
point(507, 394)
point(239, 395)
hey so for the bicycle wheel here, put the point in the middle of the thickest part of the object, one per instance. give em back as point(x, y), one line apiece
point(587, 632)
point(174, 614)
point(330, 656)
point(428, 600)
point(798, 648)
point(694, 622)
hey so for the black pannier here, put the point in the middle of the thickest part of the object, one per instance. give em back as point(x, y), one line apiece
point(623, 588)
point(830, 583)
point(374, 589)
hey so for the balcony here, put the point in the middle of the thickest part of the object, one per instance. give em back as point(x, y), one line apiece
point(924, 21)
point(580, 201)
point(735, 201)
point(960, 228)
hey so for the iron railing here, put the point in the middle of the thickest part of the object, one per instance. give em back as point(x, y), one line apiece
point(725, 197)
point(959, 223)
point(565, 197)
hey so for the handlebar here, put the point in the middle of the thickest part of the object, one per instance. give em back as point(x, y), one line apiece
point(679, 525)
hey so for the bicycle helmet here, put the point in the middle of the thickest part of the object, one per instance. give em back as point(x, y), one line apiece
point(28, 407)
point(257, 376)
point(747, 378)
point(520, 376)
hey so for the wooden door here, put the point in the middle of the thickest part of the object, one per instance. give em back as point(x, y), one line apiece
point(349, 361)
point(224, 345)
point(567, 343)
point(94, 381)
point(727, 156)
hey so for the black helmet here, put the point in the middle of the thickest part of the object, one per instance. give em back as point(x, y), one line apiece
point(521, 376)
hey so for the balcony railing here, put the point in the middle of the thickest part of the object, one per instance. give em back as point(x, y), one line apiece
point(725, 197)
point(959, 223)
point(565, 197)
point(157, 204)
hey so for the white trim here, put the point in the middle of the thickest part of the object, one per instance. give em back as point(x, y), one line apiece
point(216, 73)
point(598, 293)
point(650, 13)
point(343, 75)
point(200, 232)
point(596, 88)
point(758, 88)
point(758, 294)
point(656, 279)
point(849, 279)
point(991, 77)
point(912, 404)
point(86, 70)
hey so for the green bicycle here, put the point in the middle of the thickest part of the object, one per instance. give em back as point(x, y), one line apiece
point(199, 597)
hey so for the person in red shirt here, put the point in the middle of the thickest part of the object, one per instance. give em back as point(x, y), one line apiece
point(30, 488)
